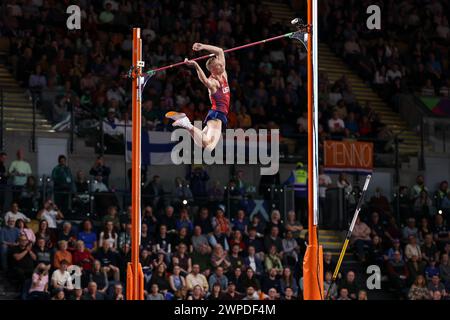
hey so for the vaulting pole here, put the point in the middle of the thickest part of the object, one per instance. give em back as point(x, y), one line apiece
point(135, 279)
point(313, 260)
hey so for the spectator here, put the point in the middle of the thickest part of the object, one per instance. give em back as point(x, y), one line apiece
point(61, 278)
point(197, 293)
point(436, 285)
point(336, 125)
point(220, 278)
point(343, 294)
point(99, 276)
point(63, 183)
point(419, 290)
point(444, 268)
point(398, 273)
point(418, 187)
point(293, 225)
point(42, 252)
point(109, 260)
point(231, 293)
point(249, 280)
point(221, 222)
point(429, 249)
point(291, 249)
point(88, 236)
point(99, 169)
point(362, 295)
point(82, 257)
point(240, 222)
point(92, 293)
point(216, 293)
point(62, 254)
point(45, 233)
point(410, 230)
point(270, 280)
point(431, 270)
point(112, 216)
point(412, 248)
point(361, 239)
point(118, 293)
point(159, 277)
point(51, 214)
point(195, 278)
point(441, 232)
point(273, 239)
point(329, 288)
point(184, 221)
point(181, 259)
point(415, 267)
point(287, 281)
point(154, 293)
point(350, 284)
point(9, 236)
point(109, 236)
point(176, 280)
point(272, 260)
point(39, 283)
point(68, 235)
point(15, 214)
point(236, 259)
point(19, 170)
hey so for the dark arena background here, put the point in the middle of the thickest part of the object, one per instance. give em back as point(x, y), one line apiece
point(352, 95)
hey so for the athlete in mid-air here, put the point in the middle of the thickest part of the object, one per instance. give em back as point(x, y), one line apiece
point(219, 94)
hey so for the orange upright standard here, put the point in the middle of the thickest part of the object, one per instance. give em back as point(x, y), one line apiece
point(135, 276)
point(313, 260)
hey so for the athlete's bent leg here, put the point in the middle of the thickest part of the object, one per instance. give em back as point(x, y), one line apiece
point(206, 138)
point(212, 133)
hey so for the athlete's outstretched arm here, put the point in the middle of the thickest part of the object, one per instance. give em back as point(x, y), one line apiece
point(201, 75)
point(213, 49)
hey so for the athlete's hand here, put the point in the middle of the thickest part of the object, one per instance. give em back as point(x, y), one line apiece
point(190, 62)
point(197, 46)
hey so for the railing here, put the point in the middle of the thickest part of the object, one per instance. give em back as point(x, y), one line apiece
point(93, 204)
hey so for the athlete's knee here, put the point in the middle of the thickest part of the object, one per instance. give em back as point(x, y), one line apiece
point(209, 144)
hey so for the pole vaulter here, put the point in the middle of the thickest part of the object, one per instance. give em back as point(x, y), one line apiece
point(135, 279)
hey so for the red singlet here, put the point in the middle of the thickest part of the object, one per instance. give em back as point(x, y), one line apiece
point(221, 98)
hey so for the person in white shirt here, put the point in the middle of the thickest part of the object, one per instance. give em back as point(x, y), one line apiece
point(393, 73)
point(196, 278)
point(336, 125)
point(61, 278)
point(14, 214)
point(111, 125)
point(50, 213)
point(98, 185)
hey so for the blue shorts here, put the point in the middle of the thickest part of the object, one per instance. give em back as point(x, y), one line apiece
point(214, 114)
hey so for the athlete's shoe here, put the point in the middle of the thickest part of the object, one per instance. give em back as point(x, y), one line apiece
point(175, 115)
point(183, 122)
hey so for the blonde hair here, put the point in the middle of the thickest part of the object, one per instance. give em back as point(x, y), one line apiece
point(209, 62)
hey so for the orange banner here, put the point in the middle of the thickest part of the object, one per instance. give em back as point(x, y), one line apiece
point(348, 156)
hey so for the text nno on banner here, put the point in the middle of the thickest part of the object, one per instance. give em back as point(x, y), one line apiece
point(350, 156)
